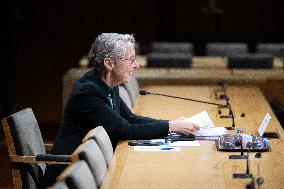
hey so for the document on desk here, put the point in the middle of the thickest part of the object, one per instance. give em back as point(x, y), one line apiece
point(202, 119)
point(207, 127)
point(211, 132)
point(156, 149)
point(264, 124)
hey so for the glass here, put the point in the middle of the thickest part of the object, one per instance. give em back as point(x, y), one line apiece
point(131, 61)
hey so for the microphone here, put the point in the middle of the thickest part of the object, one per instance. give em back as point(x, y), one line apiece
point(223, 95)
point(194, 100)
point(242, 156)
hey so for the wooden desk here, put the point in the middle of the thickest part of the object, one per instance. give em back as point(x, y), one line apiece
point(205, 71)
point(270, 81)
point(204, 166)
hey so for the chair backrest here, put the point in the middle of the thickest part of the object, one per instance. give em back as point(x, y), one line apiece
point(137, 47)
point(90, 152)
point(132, 88)
point(171, 47)
point(24, 138)
point(226, 49)
point(124, 94)
point(100, 135)
point(275, 49)
point(78, 176)
point(58, 185)
point(161, 60)
point(135, 85)
point(68, 82)
point(253, 61)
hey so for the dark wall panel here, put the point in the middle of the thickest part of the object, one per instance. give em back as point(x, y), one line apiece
point(49, 37)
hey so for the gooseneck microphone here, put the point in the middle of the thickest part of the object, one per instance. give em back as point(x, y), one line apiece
point(194, 100)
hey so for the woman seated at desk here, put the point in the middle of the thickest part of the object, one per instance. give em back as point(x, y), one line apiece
point(95, 101)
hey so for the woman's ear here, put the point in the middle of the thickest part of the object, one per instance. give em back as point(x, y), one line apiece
point(109, 64)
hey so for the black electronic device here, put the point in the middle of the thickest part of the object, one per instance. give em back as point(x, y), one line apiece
point(144, 143)
point(232, 143)
point(178, 137)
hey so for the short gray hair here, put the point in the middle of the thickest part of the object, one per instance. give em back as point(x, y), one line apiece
point(109, 45)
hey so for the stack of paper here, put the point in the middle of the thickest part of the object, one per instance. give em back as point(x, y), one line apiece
point(207, 131)
point(202, 119)
point(213, 131)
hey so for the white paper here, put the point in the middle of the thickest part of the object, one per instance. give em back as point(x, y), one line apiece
point(215, 131)
point(158, 140)
point(264, 124)
point(202, 119)
point(156, 149)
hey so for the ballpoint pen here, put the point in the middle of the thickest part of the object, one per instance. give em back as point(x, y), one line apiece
point(167, 148)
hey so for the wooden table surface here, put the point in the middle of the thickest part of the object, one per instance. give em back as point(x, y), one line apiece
point(204, 166)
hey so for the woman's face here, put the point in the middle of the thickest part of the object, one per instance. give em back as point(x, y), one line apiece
point(122, 71)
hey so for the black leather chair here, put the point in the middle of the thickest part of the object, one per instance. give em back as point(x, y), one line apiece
point(171, 47)
point(226, 49)
point(250, 61)
point(275, 49)
point(163, 60)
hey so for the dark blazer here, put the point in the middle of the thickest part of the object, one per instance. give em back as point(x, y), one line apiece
point(88, 107)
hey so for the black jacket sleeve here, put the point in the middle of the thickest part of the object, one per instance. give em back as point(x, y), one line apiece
point(120, 125)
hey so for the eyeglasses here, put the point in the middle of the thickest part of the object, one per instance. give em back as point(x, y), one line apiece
point(131, 61)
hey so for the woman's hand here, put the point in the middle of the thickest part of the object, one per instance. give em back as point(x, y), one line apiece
point(184, 127)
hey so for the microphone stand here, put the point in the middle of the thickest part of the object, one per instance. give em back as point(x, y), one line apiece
point(227, 98)
point(223, 84)
point(242, 156)
point(247, 174)
point(200, 101)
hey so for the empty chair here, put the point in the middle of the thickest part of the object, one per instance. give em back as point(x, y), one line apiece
point(90, 152)
point(135, 85)
point(100, 135)
point(254, 61)
point(161, 60)
point(226, 49)
point(59, 185)
point(171, 47)
point(124, 94)
point(78, 176)
point(137, 47)
point(132, 88)
point(68, 81)
point(26, 149)
point(275, 49)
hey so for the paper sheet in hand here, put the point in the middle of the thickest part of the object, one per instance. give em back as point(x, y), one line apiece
point(202, 119)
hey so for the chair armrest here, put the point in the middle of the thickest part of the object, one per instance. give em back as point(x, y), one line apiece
point(51, 157)
point(42, 158)
point(48, 148)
